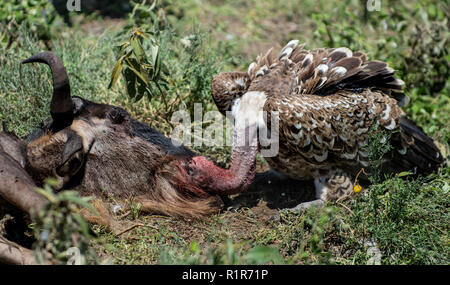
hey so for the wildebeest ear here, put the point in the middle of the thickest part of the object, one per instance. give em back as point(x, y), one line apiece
point(72, 156)
point(118, 115)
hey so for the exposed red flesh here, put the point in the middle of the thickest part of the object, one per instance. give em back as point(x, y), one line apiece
point(215, 180)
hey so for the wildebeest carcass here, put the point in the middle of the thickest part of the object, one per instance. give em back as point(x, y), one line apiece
point(98, 148)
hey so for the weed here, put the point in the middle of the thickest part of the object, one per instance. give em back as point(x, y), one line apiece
point(226, 254)
point(60, 230)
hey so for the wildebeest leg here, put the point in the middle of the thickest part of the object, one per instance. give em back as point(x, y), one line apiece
point(17, 189)
point(14, 254)
point(13, 146)
point(11, 253)
point(16, 186)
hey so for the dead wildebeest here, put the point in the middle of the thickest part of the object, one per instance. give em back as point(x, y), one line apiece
point(98, 150)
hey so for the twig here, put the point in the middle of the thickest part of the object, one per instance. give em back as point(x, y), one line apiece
point(168, 109)
point(359, 173)
point(125, 215)
point(135, 226)
point(345, 207)
point(438, 229)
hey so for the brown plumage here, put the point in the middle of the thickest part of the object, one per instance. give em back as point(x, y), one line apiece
point(327, 101)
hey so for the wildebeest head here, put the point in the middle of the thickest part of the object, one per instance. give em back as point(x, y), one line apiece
point(98, 148)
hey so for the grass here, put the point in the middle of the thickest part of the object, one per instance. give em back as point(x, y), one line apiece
point(406, 216)
point(408, 220)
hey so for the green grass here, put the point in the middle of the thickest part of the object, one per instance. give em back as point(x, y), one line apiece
point(408, 220)
point(407, 217)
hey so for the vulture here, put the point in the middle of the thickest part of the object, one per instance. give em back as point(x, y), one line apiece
point(320, 108)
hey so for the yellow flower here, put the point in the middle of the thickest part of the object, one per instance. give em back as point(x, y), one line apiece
point(357, 188)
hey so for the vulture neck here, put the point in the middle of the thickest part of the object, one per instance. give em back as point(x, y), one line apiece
point(240, 175)
point(248, 115)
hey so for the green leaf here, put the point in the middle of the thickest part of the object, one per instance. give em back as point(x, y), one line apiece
point(116, 71)
point(264, 255)
point(155, 54)
point(404, 173)
point(137, 48)
point(156, 61)
point(48, 195)
point(72, 196)
point(142, 89)
point(134, 66)
point(153, 5)
point(123, 47)
point(83, 224)
point(194, 247)
point(130, 80)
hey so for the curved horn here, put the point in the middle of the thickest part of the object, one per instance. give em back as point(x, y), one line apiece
point(61, 107)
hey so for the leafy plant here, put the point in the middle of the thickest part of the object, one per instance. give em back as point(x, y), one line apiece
point(60, 230)
point(36, 15)
point(146, 15)
point(143, 76)
point(406, 218)
point(305, 235)
point(193, 64)
point(224, 254)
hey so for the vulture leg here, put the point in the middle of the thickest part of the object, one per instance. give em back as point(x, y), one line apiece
point(306, 205)
point(333, 186)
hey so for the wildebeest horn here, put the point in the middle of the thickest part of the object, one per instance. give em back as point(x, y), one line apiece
point(61, 107)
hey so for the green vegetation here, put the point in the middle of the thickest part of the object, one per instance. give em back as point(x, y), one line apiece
point(407, 217)
point(62, 235)
point(37, 15)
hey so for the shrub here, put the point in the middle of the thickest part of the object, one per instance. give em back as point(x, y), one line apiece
point(36, 15)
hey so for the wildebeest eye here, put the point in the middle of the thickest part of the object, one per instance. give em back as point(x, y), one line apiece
point(72, 166)
point(117, 115)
